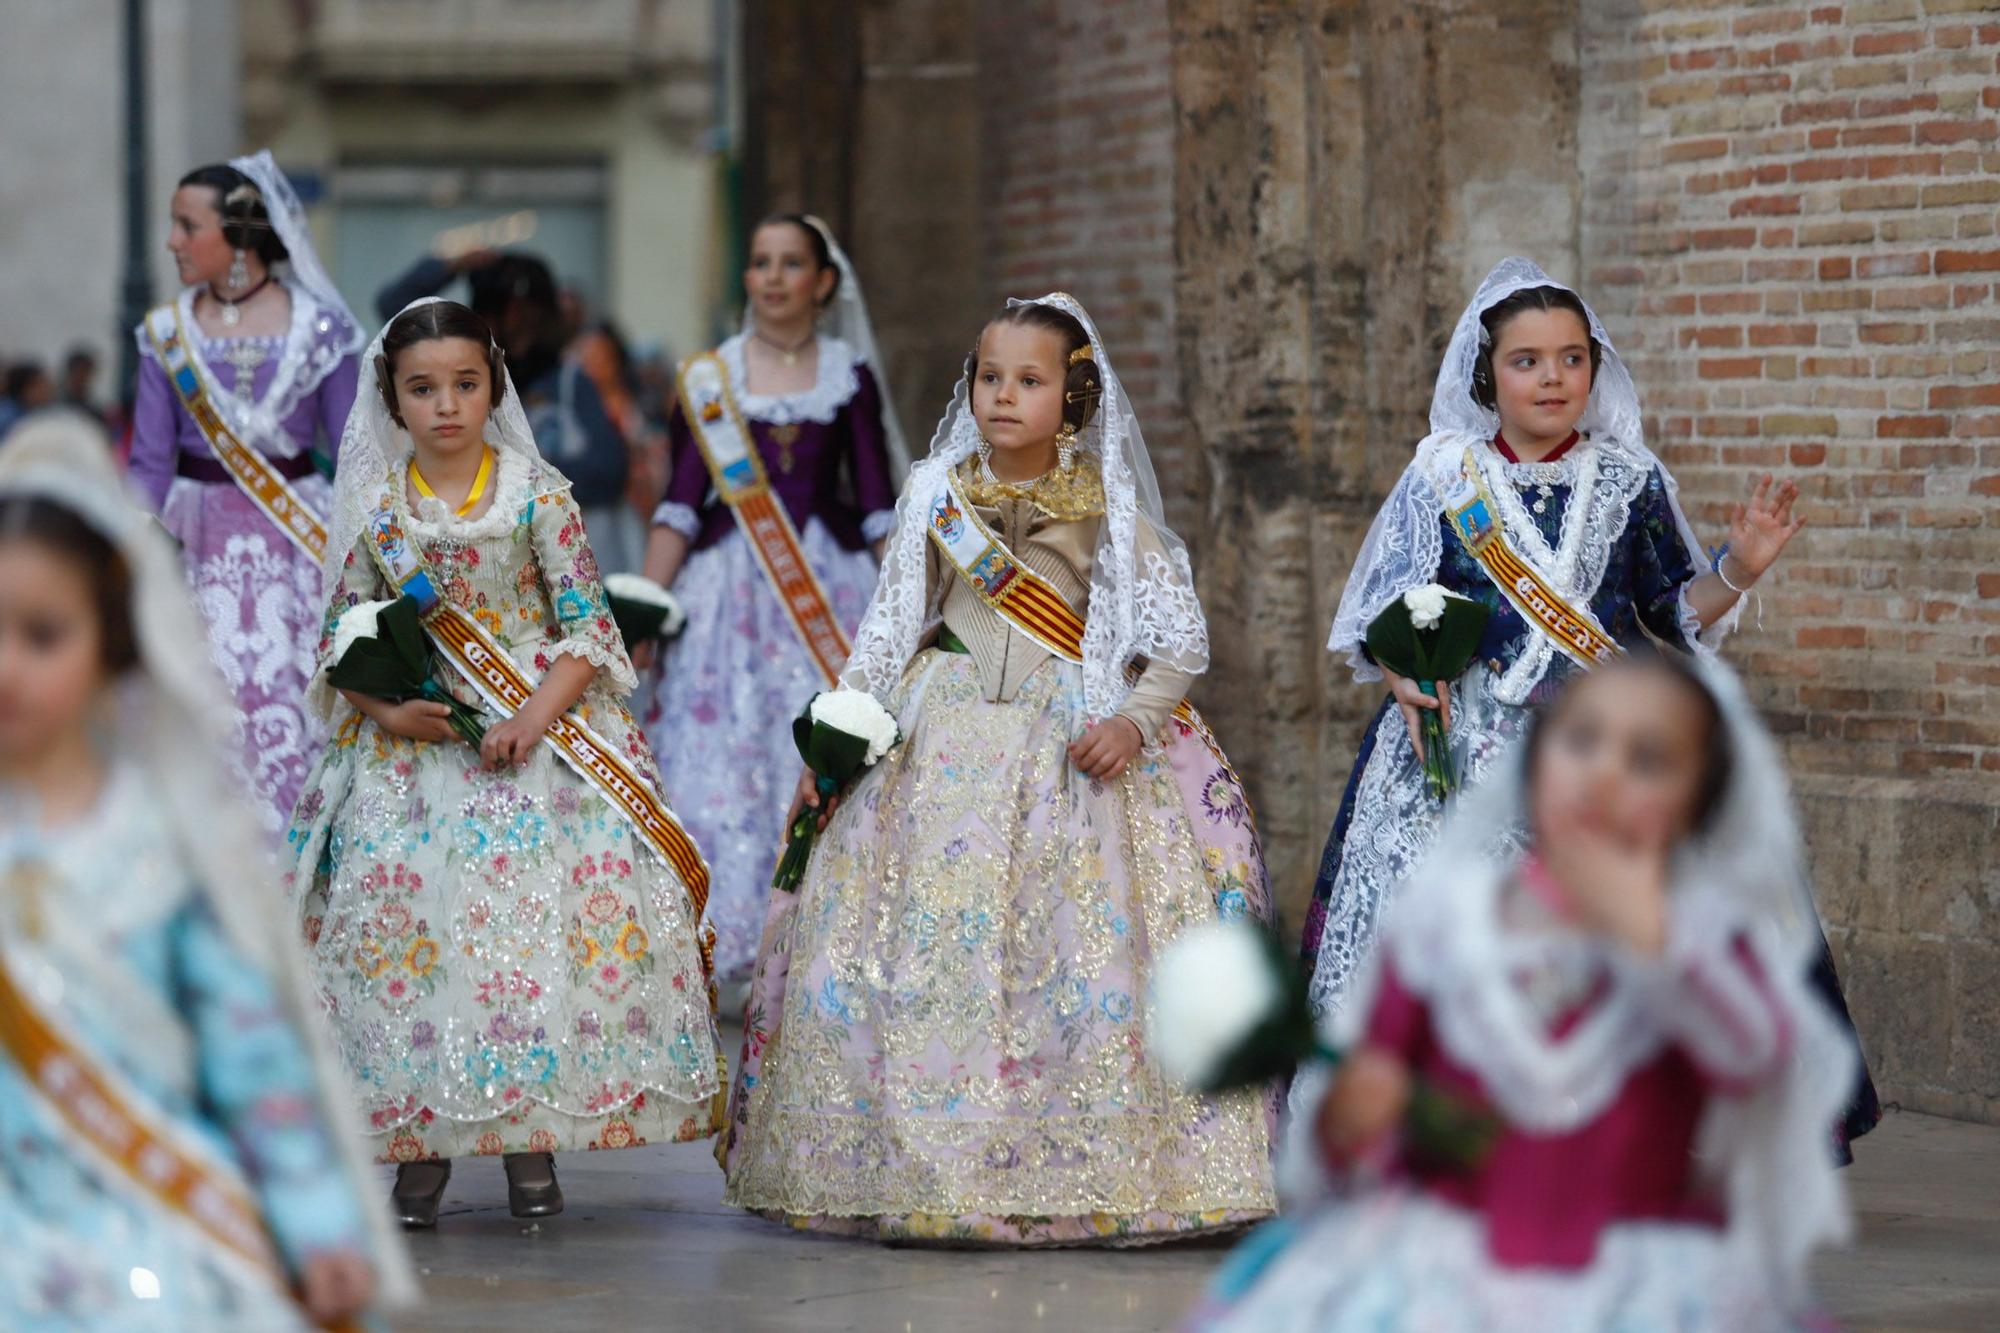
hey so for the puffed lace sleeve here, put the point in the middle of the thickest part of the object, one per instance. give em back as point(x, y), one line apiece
point(570, 577)
point(1401, 552)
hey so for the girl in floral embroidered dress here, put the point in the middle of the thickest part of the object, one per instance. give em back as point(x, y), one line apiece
point(1609, 952)
point(510, 971)
point(943, 1040)
point(1535, 417)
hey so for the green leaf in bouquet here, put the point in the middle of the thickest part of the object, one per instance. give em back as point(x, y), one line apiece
point(403, 625)
point(1392, 642)
point(637, 621)
point(1455, 641)
point(835, 753)
point(375, 666)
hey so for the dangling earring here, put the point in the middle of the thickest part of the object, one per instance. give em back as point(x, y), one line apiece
point(1066, 447)
point(239, 273)
point(985, 456)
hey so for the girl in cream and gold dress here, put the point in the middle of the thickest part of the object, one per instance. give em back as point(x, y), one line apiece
point(944, 1034)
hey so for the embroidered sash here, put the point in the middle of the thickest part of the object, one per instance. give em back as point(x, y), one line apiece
point(1476, 519)
point(506, 688)
point(1028, 602)
point(132, 1140)
point(250, 470)
point(723, 436)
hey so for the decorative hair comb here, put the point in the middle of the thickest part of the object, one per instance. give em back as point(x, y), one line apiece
point(1083, 353)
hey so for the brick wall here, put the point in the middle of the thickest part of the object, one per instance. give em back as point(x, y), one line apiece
point(1789, 222)
point(1078, 175)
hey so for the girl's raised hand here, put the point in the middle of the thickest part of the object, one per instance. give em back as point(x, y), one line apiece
point(1107, 749)
point(1617, 886)
point(1759, 530)
point(1412, 701)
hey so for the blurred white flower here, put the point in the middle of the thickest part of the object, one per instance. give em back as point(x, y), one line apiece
point(1212, 989)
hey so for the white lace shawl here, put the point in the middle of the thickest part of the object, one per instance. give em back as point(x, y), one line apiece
point(1765, 1152)
point(1405, 543)
point(1142, 602)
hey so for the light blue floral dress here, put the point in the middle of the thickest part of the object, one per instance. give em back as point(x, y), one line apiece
point(102, 922)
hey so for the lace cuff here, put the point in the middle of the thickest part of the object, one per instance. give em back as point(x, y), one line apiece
point(681, 518)
point(875, 527)
point(609, 661)
point(1707, 643)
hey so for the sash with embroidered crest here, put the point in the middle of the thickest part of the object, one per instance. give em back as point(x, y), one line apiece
point(138, 1145)
point(1026, 600)
point(722, 434)
point(494, 675)
point(250, 470)
point(1476, 518)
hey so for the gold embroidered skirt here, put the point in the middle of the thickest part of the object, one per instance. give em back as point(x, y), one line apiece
point(945, 1037)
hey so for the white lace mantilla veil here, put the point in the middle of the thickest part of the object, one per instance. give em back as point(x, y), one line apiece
point(1404, 545)
point(1142, 602)
point(848, 321)
point(174, 718)
point(1768, 1155)
point(371, 446)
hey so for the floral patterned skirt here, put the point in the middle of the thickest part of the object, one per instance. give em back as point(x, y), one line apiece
point(505, 968)
point(945, 1039)
point(721, 720)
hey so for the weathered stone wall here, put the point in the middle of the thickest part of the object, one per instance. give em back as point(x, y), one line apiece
point(1277, 210)
point(1790, 226)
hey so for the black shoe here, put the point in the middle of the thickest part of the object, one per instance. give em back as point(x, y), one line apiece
point(418, 1192)
point(531, 1185)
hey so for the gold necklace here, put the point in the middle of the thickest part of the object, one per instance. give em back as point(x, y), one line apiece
point(1065, 494)
point(789, 354)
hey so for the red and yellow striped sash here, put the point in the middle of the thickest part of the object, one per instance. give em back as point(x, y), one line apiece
point(723, 435)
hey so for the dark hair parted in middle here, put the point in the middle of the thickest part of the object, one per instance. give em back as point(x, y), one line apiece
point(1495, 317)
point(246, 221)
point(431, 322)
point(1083, 386)
point(63, 532)
point(822, 254)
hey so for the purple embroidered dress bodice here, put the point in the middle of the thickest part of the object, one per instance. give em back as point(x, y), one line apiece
point(258, 592)
point(721, 715)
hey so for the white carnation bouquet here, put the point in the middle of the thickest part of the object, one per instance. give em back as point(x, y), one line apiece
point(841, 734)
point(643, 609)
point(1430, 634)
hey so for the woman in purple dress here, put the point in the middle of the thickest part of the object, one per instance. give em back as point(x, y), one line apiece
point(272, 353)
point(810, 392)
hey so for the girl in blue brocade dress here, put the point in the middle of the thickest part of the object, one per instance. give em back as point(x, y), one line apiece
point(1534, 403)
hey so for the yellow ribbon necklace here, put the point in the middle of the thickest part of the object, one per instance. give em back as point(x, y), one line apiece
point(478, 482)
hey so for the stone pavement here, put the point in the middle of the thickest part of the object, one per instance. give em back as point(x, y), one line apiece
point(648, 1244)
